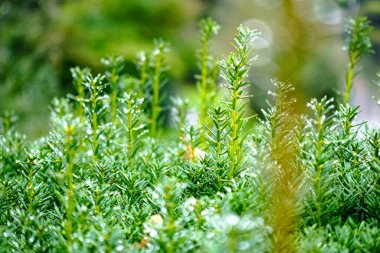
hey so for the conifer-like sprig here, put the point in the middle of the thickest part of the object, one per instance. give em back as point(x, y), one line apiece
point(319, 153)
point(95, 106)
point(282, 140)
point(158, 66)
point(206, 83)
point(131, 118)
point(29, 170)
point(358, 42)
point(142, 63)
point(234, 70)
point(79, 76)
point(217, 142)
point(115, 66)
point(69, 130)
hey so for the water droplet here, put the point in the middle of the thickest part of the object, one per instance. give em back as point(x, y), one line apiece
point(155, 195)
point(90, 153)
point(210, 235)
point(243, 245)
point(232, 219)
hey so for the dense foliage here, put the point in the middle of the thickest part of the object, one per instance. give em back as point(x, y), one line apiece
point(108, 178)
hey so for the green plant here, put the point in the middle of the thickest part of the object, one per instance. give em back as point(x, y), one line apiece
point(115, 67)
point(234, 70)
point(319, 170)
point(100, 182)
point(282, 164)
point(131, 119)
point(208, 67)
point(69, 145)
point(157, 82)
point(358, 43)
point(78, 77)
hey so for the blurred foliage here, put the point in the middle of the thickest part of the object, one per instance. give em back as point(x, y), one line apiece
point(42, 39)
point(28, 62)
point(92, 29)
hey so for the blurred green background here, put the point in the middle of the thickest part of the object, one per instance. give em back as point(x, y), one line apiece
point(301, 42)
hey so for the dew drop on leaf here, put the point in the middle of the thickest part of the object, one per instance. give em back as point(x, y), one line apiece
point(232, 219)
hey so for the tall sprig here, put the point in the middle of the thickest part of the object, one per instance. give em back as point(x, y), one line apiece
point(95, 106)
point(206, 83)
point(319, 154)
point(234, 70)
point(131, 119)
point(114, 67)
point(158, 64)
point(78, 79)
point(282, 140)
point(358, 43)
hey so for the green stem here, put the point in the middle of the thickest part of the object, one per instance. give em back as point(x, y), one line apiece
point(319, 168)
point(114, 96)
point(234, 149)
point(219, 151)
point(97, 201)
point(31, 189)
point(156, 94)
point(94, 131)
point(318, 194)
point(94, 120)
point(70, 196)
point(143, 78)
point(203, 111)
point(349, 78)
point(130, 134)
point(81, 98)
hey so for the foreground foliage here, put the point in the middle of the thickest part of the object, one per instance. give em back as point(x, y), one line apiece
point(107, 179)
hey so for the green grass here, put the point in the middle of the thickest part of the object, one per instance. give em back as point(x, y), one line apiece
point(107, 178)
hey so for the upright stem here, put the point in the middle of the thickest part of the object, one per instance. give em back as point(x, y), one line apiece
point(31, 188)
point(94, 119)
point(114, 96)
point(218, 124)
point(203, 112)
point(80, 88)
point(143, 77)
point(70, 194)
point(349, 78)
point(319, 168)
point(130, 134)
point(234, 149)
point(209, 72)
point(156, 95)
